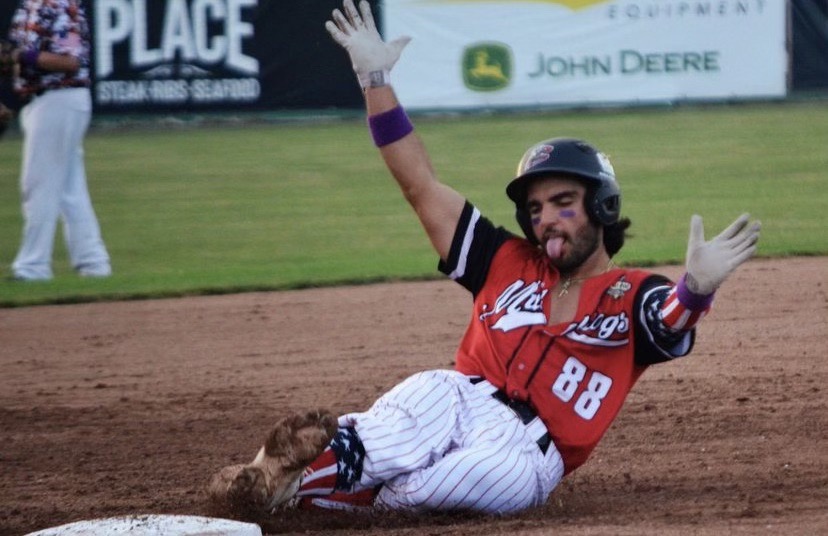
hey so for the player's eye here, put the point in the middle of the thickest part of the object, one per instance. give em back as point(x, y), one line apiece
point(565, 200)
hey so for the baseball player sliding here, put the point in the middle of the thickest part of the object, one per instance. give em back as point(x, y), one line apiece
point(557, 338)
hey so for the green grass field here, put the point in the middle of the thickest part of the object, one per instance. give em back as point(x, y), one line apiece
point(272, 206)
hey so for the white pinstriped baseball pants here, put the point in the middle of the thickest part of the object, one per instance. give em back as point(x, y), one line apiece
point(438, 442)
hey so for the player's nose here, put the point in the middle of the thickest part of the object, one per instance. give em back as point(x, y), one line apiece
point(548, 215)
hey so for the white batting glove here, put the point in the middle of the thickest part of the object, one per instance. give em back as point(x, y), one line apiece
point(709, 263)
point(371, 57)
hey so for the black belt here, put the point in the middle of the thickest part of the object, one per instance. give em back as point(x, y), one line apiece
point(523, 410)
point(41, 90)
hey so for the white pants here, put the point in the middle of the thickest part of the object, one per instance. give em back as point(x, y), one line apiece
point(437, 442)
point(53, 185)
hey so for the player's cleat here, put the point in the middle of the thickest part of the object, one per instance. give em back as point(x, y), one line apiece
point(273, 477)
point(360, 501)
point(100, 270)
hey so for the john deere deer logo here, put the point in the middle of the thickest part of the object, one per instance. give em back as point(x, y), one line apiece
point(487, 66)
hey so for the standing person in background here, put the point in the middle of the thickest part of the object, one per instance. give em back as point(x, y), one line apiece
point(51, 53)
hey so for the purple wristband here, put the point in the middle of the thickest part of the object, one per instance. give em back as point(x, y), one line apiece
point(28, 57)
point(388, 127)
point(692, 301)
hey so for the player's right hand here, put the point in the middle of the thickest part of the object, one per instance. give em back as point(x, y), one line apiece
point(371, 57)
point(709, 263)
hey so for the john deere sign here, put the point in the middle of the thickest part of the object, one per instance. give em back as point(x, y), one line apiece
point(492, 53)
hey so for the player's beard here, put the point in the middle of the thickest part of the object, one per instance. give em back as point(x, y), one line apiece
point(581, 247)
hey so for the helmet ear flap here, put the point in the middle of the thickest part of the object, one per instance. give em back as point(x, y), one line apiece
point(604, 203)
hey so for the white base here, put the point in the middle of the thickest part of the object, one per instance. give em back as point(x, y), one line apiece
point(154, 525)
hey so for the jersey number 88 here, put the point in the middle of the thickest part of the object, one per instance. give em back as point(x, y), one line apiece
point(572, 375)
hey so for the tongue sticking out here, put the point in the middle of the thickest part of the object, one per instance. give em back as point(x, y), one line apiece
point(554, 246)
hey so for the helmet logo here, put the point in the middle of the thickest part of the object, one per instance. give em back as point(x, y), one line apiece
point(539, 155)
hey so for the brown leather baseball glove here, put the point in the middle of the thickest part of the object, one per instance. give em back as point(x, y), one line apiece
point(6, 59)
point(6, 116)
point(7, 71)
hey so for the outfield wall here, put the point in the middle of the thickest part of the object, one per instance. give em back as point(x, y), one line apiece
point(173, 56)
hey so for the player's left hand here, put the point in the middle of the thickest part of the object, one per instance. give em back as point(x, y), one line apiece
point(356, 32)
point(709, 263)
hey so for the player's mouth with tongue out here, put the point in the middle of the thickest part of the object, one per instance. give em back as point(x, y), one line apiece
point(554, 246)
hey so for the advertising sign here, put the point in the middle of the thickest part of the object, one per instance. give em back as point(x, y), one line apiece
point(176, 53)
point(491, 53)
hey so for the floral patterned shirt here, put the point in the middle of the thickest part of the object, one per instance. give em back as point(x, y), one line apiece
point(57, 26)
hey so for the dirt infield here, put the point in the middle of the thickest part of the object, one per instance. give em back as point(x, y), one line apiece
point(126, 408)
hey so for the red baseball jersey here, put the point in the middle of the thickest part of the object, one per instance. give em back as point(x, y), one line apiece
point(576, 375)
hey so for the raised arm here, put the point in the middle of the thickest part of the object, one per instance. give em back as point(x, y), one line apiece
point(670, 313)
point(708, 264)
point(437, 206)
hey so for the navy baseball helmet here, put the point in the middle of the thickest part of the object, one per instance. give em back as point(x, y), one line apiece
point(577, 159)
